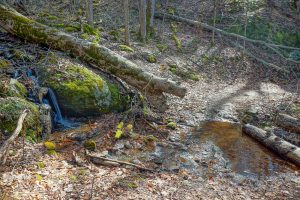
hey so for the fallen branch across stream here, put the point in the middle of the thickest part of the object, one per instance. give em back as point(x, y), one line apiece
point(5, 147)
point(103, 58)
point(270, 140)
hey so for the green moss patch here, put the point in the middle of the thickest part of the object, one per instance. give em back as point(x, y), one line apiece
point(161, 47)
point(72, 28)
point(177, 41)
point(20, 55)
point(172, 125)
point(12, 88)
point(126, 48)
point(4, 64)
point(10, 110)
point(90, 145)
point(184, 74)
point(152, 59)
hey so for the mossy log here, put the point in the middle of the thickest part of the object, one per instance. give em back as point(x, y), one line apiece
point(280, 146)
point(30, 30)
point(288, 123)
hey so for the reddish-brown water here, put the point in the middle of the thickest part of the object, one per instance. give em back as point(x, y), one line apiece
point(247, 156)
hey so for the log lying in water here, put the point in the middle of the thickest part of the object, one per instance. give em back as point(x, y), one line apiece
point(288, 123)
point(19, 25)
point(282, 147)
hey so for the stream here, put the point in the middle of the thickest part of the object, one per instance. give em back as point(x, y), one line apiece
point(246, 156)
point(215, 147)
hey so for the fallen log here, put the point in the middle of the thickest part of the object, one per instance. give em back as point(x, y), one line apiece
point(288, 123)
point(280, 146)
point(286, 135)
point(5, 147)
point(211, 28)
point(103, 58)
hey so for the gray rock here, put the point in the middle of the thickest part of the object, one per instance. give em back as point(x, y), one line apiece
point(136, 161)
point(46, 120)
point(78, 136)
point(119, 145)
point(128, 145)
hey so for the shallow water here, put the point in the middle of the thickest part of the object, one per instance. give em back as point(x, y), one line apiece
point(246, 155)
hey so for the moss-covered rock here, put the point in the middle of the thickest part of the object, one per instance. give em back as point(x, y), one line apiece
point(50, 145)
point(172, 125)
point(81, 92)
point(90, 145)
point(151, 58)
point(12, 88)
point(10, 110)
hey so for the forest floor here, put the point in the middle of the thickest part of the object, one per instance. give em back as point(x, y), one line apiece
point(225, 86)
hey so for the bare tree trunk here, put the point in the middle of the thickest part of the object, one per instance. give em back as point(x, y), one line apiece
point(105, 59)
point(246, 22)
point(162, 27)
point(298, 8)
point(152, 11)
point(127, 31)
point(143, 19)
point(214, 22)
point(90, 13)
point(150, 16)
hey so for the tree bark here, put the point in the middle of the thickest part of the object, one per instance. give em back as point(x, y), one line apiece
point(105, 59)
point(152, 13)
point(126, 14)
point(143, 19)
point(280, 146)
point(288, 123)
point(5, 147)
point(150, 16)
point(90, 12)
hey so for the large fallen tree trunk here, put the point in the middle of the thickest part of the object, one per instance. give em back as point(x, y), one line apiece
point(19, 25)
point(271, 46)
point(211, 28)
point(282, 147)
point(289, 123)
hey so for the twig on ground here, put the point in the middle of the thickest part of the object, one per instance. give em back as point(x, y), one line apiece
point(92, 157)
point(5, 147)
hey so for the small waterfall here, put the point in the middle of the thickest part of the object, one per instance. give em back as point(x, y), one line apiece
point(51, 100)
point(58, 117)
